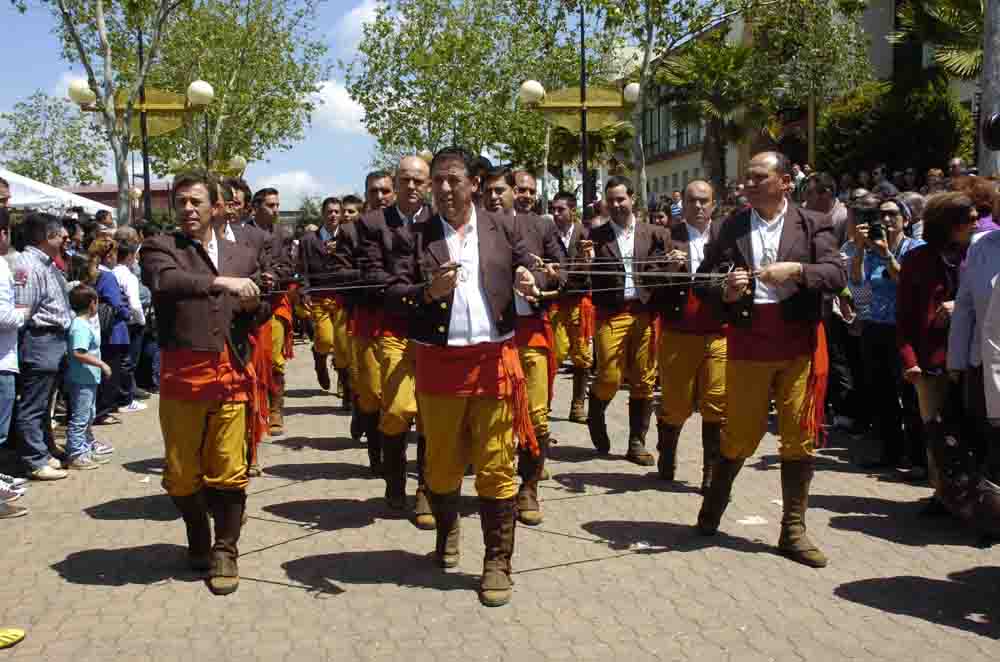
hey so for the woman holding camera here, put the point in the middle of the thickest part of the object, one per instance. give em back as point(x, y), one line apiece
point(928, 285)
point(874, 264)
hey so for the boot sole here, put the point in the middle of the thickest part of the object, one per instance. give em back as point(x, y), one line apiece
point(798, 558)
point(425, 522)
point(641, 460)
point(447, 562)
point(530, 517)
point(494, 598)
point(223, 585)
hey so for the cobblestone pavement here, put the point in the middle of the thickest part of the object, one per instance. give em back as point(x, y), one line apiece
point(96, 571)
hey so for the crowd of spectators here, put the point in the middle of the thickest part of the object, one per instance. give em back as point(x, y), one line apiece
point(76, 342)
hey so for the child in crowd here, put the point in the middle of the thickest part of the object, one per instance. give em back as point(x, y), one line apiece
point(82, 379)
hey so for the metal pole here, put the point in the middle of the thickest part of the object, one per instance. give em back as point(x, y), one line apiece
point(811, 119)
point(147, 193)
point(989, 161)
point(588, 191)
point(208, 149)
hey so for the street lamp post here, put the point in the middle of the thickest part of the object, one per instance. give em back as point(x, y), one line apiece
point(200, 94)
point(561, 109)
point(147, 195)
point(588, 192)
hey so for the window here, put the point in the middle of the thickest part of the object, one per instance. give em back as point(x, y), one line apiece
point(655, 186)
point(664, 145)
point(675, 181)
point(697, 133)
point(666, 185)
point(684, 178)
point(682, 136)
point(696, 173)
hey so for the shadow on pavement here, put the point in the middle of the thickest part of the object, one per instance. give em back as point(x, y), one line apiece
point(656, 537)
point(326, 572)
point(895, 521)
point(318, 443)
point(316, 409)
point(966, 601)
point(620, 483)
point(154, 507)
point(306, 392)
point(130, 565)
point(566, 453)
point(152, 465)
point(318, 470)
point(330, 514)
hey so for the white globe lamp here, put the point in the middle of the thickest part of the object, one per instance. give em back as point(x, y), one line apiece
point(631, 93)
point(80, 92)
point(531, 92)
point(200, 93)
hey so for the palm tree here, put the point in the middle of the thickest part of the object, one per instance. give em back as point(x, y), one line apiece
point(953, 27)
point(709, 81)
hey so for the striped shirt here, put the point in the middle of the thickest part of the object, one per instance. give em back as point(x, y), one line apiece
point(40, 286)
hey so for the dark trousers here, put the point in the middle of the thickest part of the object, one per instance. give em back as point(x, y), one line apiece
point(149, 362)
point(109, 393)
point(130, 364)
point(843, 389)
point(41, 357)
point(883, 373)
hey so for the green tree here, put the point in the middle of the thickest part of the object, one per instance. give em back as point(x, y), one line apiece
point(801, 53)
point(920, 126)
point(266, 64)
point(708, 82)
point(658, 28)
point(310, 211)
point(50, 140)
point(102, 38)
point(434, 72)
point(953, 27)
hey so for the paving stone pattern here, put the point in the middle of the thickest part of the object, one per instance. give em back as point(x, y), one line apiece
point(96, 571)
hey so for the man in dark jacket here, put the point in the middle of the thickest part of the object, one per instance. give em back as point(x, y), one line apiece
point(207, 305)
point(784, 259)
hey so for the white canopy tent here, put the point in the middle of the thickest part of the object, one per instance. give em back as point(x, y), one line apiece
point(27, 193)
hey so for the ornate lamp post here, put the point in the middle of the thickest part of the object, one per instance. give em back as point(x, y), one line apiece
point(199, 95)
point(597, 108)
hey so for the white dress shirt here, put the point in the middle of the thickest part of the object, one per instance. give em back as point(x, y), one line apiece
point(471, 321)
point(130, 285)
point(212, 248)
point(11, 319)
point(566, 237)
point(626, 246)
point(766, 238)
point(696, 242)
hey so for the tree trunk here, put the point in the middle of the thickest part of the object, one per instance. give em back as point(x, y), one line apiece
point(713, 155)
point(639, 155)
point(989, 161)
point(124, 209)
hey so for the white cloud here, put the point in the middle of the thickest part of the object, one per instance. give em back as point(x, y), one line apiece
point(350, 28)
point(293, 186)
point(337, 110)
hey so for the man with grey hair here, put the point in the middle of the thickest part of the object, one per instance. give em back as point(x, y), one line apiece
point(40, 291)
point(916, 203)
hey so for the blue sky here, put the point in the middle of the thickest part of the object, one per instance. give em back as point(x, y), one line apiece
point(331, 160)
